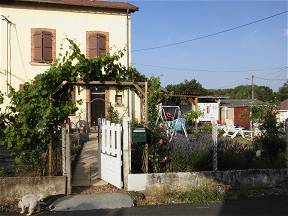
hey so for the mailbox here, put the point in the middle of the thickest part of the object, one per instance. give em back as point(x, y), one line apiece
point(139, 135)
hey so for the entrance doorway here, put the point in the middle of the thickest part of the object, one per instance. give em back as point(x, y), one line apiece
point(97, 104)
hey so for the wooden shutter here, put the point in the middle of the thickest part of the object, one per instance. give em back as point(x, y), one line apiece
point(21, 87)
point(36, 46)
point(101, 42)
point(96, 43)
point(47, 46)
point(92, 45)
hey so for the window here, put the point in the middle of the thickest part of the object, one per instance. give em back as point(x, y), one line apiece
point(97, 43)
point(43, 45)
point(118, 100)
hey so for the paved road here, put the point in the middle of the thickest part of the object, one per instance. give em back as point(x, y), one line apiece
point(246, 207)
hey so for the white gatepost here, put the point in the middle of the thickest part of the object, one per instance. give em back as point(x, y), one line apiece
point(126, 150)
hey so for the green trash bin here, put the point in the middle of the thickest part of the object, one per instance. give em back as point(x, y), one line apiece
point(139, 135)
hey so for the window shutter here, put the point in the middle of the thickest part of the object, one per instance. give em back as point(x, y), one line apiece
point(92, 47)
point(47, 46)
point(21, 87)
point(101, 41)
point(37, 46)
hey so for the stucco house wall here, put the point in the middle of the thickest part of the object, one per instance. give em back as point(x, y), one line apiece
point(69, 23)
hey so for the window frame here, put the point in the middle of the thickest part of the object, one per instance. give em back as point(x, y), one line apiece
point(53, 57)
point(88, 35)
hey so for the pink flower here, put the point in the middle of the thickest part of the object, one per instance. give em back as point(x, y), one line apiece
point(164, 160)
point(161, 141)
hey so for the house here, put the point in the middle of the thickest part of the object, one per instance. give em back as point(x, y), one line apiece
point(209, 106)
point(283, 111)
point(238, 110)
point(33, 31)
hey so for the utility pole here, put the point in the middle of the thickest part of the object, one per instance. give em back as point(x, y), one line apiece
point(252, 88)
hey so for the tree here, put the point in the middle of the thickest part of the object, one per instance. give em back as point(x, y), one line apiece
point(283, 92)
point(189, 87)
point(262, 93)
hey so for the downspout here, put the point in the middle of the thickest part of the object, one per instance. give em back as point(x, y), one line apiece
point(127, 39)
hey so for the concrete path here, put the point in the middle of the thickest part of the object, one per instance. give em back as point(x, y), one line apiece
point(86, 171)
point(93, 201)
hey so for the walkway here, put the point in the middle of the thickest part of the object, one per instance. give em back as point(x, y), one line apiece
point(86, 171)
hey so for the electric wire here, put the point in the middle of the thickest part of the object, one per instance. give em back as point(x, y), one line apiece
point(209, 35)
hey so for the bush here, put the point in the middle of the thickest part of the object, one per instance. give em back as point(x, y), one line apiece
point(234, 155)
point(194, 155)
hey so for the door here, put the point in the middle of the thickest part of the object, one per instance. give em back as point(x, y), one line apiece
point(97, 104)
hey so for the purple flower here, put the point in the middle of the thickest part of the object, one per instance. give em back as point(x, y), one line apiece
point(161, 141)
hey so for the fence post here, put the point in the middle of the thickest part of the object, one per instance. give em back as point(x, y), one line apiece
point(99, 145)
point(68, 155)
point(126, 150)
point(215, 144)
point(63, 133)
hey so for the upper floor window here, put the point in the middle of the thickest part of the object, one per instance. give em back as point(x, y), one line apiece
point(97, 43)
point(43, 45)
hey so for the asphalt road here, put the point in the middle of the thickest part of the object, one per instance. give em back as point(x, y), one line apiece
point(248, 207)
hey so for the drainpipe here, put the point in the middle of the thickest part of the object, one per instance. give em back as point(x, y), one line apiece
point(128, 47)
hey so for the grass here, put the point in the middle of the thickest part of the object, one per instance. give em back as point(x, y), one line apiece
point(207, 194)
point(199, 195)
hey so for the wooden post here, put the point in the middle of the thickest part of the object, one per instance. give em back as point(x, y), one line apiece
point(50, 154)
point(146, 103)
point(146, 152)
point(215, 144)
point(68, 157)
point(63, 132)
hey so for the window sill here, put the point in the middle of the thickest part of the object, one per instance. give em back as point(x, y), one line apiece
point(117, 105)
point(40, 64)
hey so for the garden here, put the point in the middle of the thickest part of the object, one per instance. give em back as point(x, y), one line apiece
point(191, 148)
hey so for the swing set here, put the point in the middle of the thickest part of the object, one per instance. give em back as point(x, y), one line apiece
point(171, 122)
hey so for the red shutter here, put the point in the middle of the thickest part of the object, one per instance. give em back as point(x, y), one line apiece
point(92, 49)
point(101, 40)
point(37, 46)
point(47, 46)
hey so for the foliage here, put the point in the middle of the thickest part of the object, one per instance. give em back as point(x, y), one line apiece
point(271, 142)
point(283, 92)
point(113, 115)
point(234, 155)
point(159, 149)
point(262, 93)
point(36, 113)
point(193, 155)
point(155, 97)
point(199, 195)
point(189, 87)
point(193, 115)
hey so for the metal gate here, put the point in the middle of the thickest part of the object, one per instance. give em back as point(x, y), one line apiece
point(110, 148)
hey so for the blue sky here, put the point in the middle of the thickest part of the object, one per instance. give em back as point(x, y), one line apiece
point(261, 47)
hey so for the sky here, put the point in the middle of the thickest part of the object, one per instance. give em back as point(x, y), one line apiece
point(222, 61)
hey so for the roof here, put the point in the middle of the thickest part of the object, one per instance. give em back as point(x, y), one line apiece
point(92, 4)
point(239, 102)
point(284, 105)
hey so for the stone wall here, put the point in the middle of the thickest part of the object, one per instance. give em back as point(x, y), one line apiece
point(16, 187)
point(269, 177)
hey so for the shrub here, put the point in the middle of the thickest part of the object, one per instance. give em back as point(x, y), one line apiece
point(234, 155)
point(194, 155)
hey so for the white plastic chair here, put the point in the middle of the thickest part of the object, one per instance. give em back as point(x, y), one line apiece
point(231, 130)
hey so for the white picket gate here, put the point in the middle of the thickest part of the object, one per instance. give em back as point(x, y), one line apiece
point(111, 153)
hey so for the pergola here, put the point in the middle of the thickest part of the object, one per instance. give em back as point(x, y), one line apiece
point(140, 88)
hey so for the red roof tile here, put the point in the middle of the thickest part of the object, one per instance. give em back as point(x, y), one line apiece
point(284, 105)
point(82, 3)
